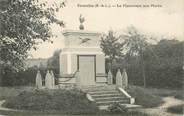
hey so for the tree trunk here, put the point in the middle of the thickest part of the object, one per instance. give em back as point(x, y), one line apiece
point(111, 69)
point(111, 64)
point(143, 74)
point(1, 76)
point(143, 70)
point(0, 79)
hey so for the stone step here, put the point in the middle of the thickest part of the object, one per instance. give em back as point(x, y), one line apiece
point(106, 95)
point(129, 106)
point(109, 98)
point(99, 88)
point(102, 103)
point(103, 92)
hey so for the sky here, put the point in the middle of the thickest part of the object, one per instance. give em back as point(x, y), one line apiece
point(167, 20)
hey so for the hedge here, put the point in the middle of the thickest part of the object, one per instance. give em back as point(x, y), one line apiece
point(23, 78)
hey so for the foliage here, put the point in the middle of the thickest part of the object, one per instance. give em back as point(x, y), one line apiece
point(134, 41)
point(158, 65)
point(8, 92)
point(176, 109)
point(24, 77)
point(24, 23)
point(4, 4)
point(165, 71)
point(65, 101)
point(135, 44)
point(144, 98)
point(53, 62)
point(117, 108)
point(122, 110)
point(179, 95)
point(111, 46)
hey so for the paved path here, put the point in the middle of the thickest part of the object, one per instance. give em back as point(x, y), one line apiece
point(3, 108)
point(162, 109)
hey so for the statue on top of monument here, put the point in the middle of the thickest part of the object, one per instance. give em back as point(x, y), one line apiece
point(81, 20)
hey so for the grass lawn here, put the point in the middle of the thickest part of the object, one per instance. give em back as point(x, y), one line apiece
point(152, 97)
point(56, 102)
point(166, 92)
point(100, 113)
point(7, 92)
point(145, 98)
point(20, 97)
point(179, 109)
point(65, 101)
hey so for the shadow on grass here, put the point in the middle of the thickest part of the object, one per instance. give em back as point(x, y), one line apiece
point(99, 113)
point(178, 109)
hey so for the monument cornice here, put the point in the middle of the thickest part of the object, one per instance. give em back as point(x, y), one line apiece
point(80, 32)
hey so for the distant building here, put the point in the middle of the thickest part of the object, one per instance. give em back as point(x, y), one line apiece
point(38, 62)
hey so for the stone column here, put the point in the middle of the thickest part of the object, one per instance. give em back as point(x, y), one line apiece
point(48, 80)
point(125, 79)
point(77, 78)
point(118, 79)
point(109, 78)
point(53, 78)
point(38, 80)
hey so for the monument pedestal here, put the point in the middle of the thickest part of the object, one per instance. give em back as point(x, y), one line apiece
point(82, 53)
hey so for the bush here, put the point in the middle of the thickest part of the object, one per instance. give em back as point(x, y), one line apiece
point(179, 96)
point(117, 108)
point(176, 109)
point(162, 75)
point(143, 97)
point(122, 110)
point(8, 92)
point(65, 101)
point(23, 78)
point(163, 69)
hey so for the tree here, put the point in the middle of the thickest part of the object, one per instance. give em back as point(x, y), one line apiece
point(135, 44)
point(4, 4)
point(111, 46)
point(168, 71)
point(24, 23)
point(53, 62)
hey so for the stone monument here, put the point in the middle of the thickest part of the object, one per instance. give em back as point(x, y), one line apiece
point(109, 78)
point(82, 53)
point(48, 80)
point(53, 78)
point(119, 79)
point(38, 80)
point(125, 79)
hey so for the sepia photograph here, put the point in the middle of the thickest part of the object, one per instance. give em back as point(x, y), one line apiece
point(91, 57)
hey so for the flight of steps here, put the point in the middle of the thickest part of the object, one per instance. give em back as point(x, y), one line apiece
point(104, 96)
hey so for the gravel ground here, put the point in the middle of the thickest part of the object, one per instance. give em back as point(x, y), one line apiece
point(162, 109)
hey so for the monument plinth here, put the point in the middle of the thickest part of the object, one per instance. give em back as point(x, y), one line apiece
point(82, 53)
